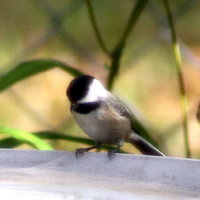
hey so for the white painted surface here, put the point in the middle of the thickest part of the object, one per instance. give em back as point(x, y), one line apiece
point(53, 175)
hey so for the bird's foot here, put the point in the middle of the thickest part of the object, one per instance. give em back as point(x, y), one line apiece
point(79, 152)
point(112, 152)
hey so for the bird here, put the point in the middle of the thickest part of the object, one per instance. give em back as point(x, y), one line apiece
point(103, 117)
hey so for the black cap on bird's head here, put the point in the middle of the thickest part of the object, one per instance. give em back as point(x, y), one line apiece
point(79, 87)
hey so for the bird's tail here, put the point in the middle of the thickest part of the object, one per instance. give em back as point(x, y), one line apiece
point(143, 146)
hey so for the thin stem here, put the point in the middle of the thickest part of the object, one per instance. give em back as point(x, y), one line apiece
point(96, 30)
point(178, 62)
point(117, 52)
point(198, 114)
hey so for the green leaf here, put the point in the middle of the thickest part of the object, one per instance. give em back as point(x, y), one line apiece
point(26, 137)
point(61, 136)
point(50, 135)
point(30, 68)
point(12, 142)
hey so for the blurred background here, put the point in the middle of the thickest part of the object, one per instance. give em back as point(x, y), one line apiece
point(147, 80)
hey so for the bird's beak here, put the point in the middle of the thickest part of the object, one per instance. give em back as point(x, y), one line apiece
point(73, 107)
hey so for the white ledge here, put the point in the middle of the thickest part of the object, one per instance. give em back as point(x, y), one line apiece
point(136, 177)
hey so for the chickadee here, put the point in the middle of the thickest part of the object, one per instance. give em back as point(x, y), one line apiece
point(103, 117)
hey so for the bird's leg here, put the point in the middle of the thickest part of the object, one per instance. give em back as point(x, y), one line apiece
point(112, 151)
point(80, 151)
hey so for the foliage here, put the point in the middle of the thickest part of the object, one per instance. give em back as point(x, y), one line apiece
point(29, 68)
point(26, 137)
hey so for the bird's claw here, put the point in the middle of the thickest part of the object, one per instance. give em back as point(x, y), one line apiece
point(111, 153)
point(79, 152)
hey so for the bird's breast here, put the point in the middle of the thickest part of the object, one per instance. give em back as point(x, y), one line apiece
point(92, 125)
point(102, 127)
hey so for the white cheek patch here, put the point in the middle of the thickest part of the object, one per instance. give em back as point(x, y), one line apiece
point(96, 91)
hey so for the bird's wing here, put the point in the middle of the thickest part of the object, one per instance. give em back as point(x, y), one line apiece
point(123, 111)
point(136, 139)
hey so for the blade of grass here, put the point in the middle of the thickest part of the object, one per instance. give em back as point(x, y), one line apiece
point(178, 62)
point(117, 52)
point(50, 135)
point(60, 136)
point(95, 27)
point(26, 137)
point(30, 68)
